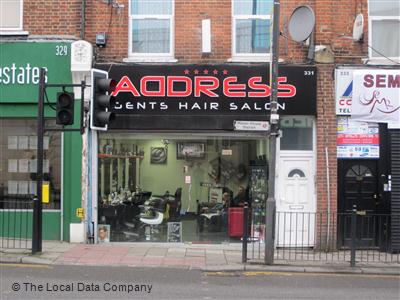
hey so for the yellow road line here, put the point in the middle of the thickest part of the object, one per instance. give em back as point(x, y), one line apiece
point(262, 273)
point(271, 273)
point(33, 266)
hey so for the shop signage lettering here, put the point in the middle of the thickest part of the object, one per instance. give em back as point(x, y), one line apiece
point(210, 89)
point(20, 66)
point(25, 74)
point(206, 96)
point(376, 96)
point(343, 91)
point(203, 86)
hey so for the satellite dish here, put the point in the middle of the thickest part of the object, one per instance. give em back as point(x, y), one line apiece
point(358, 27)
point(301, 23)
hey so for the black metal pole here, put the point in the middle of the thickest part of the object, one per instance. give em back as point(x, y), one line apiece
point(37, 208)
point(353, 228)
point(274, 120)
point(245, 232)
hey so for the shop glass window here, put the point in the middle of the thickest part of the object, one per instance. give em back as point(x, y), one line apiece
point(191, 180)
point(384, 29)
point(18, 164)
point(297, 133)
point(251, 27)
point(11, 13)
point(151, 27)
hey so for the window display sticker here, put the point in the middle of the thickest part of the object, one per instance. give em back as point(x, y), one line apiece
point(23, 187)
point(46, 142)
point(12, 187)
point(362, 151)
point(174, 233)
point(23, 142)
point(188, 179)
point(46, 165)
point(13, 165)
point(357, 139)
point(32, 165)
point(23, 165)
point(12, 142)
point(33, 142)
point(32, 187)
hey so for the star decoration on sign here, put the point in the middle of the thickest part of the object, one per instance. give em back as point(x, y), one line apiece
point(205, 71)
point(186, 72)
point(225, 72)
point(215, 72)
point(196, 72)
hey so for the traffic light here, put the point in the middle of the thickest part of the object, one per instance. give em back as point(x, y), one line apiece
point(65, 108)
point(102, 87)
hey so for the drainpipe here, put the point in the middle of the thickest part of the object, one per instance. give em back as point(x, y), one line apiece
point(329, 198)
point(83, 19)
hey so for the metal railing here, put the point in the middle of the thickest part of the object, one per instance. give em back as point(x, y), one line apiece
point(16, 223)
point(351, 237)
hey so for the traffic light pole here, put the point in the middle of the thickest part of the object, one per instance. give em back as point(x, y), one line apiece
point(37, 201)
point(274, 120)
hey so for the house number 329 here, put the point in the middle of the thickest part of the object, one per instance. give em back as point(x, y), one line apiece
point(61, 50)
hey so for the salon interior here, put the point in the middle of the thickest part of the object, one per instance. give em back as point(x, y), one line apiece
point(180, 188)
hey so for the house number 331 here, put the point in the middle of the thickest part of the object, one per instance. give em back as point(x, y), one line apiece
point(61, 50)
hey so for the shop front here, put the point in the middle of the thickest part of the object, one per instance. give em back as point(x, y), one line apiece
point(20, 64)
point(366, 102)
point(177, 164)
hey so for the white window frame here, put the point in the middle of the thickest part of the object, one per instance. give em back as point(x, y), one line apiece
point(243, 57)
point(381, 59)
point(152, 57)
point(16, 30)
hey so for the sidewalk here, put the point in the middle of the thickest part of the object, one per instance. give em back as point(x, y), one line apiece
point(206, 257)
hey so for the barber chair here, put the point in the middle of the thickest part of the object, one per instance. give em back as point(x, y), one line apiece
point(153, 216)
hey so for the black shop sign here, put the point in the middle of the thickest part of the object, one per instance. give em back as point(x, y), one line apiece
point(211, 96)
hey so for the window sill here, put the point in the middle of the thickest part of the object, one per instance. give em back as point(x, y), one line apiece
point(13, 32)
point(381, 61)
point(265, 58)
point(150, 59)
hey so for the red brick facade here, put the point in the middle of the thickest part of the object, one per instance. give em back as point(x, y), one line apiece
point(334, 23)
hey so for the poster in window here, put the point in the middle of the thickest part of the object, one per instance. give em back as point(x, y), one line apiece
point(174, 234)
point(13, 165)
point(187, 150)
point(23, 187)
point(12, 142)
point(23, 142)
point(103, 233)
point(33, 142)
point(158, 155)
point(12, 187)
point(23, 165)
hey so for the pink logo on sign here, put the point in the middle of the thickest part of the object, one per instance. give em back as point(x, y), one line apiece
point(379, 103)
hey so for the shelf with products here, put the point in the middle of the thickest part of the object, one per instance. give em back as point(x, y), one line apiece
point(105, 155)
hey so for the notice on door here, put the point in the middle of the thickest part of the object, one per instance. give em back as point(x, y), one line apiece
point(357, 139)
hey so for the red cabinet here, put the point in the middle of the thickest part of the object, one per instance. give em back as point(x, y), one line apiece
point(235, 221)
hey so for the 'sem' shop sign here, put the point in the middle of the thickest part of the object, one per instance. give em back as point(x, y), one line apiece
point(211, 89)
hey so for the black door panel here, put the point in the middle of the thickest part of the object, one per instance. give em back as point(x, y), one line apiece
point(358, 185)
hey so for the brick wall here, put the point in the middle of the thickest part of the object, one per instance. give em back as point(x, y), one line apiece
point(52, 17)
point(334, 23)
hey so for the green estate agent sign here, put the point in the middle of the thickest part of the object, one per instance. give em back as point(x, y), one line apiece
point(20, 63)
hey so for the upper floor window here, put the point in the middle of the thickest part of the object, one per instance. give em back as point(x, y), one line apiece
point(384, 29)
point(11, 13)
point(251, 28)
point(151, 28)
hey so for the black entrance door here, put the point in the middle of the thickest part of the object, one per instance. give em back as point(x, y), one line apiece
point(358, 185)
